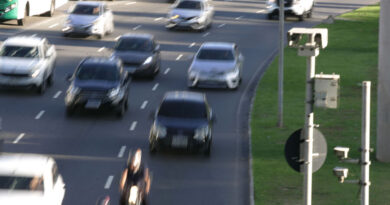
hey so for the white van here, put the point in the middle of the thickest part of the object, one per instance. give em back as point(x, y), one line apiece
point(298, 8)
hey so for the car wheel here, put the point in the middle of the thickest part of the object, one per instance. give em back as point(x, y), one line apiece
point(301, 17)
point(152, 148)
point(270, 16)
point(101, 36)
point(207, 151)
point(50, 79)
point(69, 111)
point(22, 21)
point(121, 110)
point(52, 8)
point(41, 88)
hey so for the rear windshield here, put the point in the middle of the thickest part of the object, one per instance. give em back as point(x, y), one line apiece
point(21, 183)
point(215, 54)
point(189, 5)
point(86, 10)
point(182, 109)
point(98, 72)
point(19, 51)
point(134, 44)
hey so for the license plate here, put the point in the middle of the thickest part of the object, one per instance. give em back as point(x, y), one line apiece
point(93, 104)
point(179, 141)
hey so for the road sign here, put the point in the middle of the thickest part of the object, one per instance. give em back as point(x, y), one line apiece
point(293, 151)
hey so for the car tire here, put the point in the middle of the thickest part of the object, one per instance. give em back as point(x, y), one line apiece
point(22, 21)
point(152, 148)
point(100, 36)
point(50, 79)
point(121, 109)
point(69, 111)
point(270, 16)
point(42, 88)
point(50, 13)
point(301, 17)
point(207, 151)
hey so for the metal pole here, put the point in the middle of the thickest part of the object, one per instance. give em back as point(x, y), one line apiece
point(365, 163)
point(309, 124)
point(281, 62)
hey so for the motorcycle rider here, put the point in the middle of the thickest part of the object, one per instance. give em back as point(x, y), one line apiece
point(137, 174)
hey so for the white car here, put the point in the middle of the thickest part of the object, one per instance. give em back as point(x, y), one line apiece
point(89, 18)
point(30, 179)
point(299, 8)
point(27, 61)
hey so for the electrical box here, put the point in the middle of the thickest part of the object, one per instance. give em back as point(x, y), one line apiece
point(326, 90)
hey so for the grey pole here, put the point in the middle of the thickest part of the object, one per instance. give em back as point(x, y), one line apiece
point(281, 63)
point(365, 161)
point(383, 116)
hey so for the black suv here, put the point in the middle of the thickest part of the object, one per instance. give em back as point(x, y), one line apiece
point(139, 53)
point(182, 121)
point(98, 83)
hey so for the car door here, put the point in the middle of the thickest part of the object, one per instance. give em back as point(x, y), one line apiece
point(58, 185)
point(108, 18)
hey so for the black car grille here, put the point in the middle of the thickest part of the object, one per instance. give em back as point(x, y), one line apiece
point(15, 75)
point(131, 64)
point(287, 3)
point(93, 94)
point(180, 132)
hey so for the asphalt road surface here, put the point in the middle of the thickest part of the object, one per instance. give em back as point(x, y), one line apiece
point(91, 148)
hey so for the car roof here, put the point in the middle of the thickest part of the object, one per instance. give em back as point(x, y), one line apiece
point(24, 164)
point(28, 41)
point(184, 95)
point(137, 35)
point(218, 45)
point(90, 3)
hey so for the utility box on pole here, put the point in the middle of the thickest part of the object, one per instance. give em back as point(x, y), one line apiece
point(326, 90)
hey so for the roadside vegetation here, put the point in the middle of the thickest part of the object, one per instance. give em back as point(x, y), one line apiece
point(352, 53)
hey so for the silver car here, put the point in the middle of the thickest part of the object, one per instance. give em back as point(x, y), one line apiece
point(193, 14)
point(89, 18)
point(216, 64)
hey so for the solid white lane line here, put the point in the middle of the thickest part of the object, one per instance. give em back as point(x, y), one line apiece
point(221, 25)
point(133, 125)
point(143, 106)
point(54, 25)
point(260, 11)
point(191, 45)
point(39, 114)
point(117, 38)
point(18, 138)
point(130, 3)
point(57, 94)
point(238, 18)
point(101, 49)
point(155, 87)
point(108, 182)
point(166, 71)
point(121, 151)
point(179, 56)
point(206, 34)
point(158, 19)
point(137, 27)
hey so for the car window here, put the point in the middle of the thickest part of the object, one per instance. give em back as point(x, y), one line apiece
point(134, 44)
point(96, 71)
point(215, 54)
point(183, 109)
point(19, 51)
point(21, 183)
point(86, 10)
point(55, 173)
point(196, 5)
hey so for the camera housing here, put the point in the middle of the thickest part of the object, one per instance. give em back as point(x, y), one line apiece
point(341, 173)
point(341, 152)
point(316, 36)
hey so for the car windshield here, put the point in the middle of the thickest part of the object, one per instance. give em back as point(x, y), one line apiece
point(183, 109)
point(21, 183)
point(19, 51)
point(215, 54)
point(189, 5)
point(134, 44)
point(98, 72)
point(86, 10)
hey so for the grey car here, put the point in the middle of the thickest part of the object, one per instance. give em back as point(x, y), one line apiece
point(139, 53)
point(193, 14)
point(216, 64)
point(89, 18)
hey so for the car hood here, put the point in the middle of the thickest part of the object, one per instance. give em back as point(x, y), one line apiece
point(15, 65)
point(181, 123)
point(186, 13)
point(76, 19)
point(95, 84)
point(132, 56)
point(22, 197)
point(212, 66)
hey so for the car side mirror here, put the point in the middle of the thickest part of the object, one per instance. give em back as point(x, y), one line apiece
point(157, 48)
point(50, 52)
point(241, 57)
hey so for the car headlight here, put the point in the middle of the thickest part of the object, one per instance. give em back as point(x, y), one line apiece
point(9, 8)
point(159, 130)
point(174, 17)
point(133, 195)
point(114, 92)
point(192, 74)
point(148, 60)
point(73, 90)
point(35, 73)
point(201, 133)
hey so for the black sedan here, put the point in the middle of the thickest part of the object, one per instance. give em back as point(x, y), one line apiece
point(98, 83)
point(182, 121)
point(140, 54)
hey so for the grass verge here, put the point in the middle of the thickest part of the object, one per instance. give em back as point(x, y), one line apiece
point(352, 52)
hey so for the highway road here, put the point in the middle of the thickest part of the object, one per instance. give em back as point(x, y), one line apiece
point(91, 148)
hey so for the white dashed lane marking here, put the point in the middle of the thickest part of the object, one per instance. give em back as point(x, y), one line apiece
point(179, 57)
point(54, 25)
point(158, 19)
point(117, 38)
point(260, 11)
point(101, 49)
point(206, 34)
point(130, 3)
point(192, 45)
point(18, 138)
point(57, 94)
point(137, 27)
point(133, 125)
point(108, 182)
point(144, 104)
point(39, 114)
point(238, 18)
point(155, 87)
point(121, 151)
point(221, 25)
point(167, 71)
